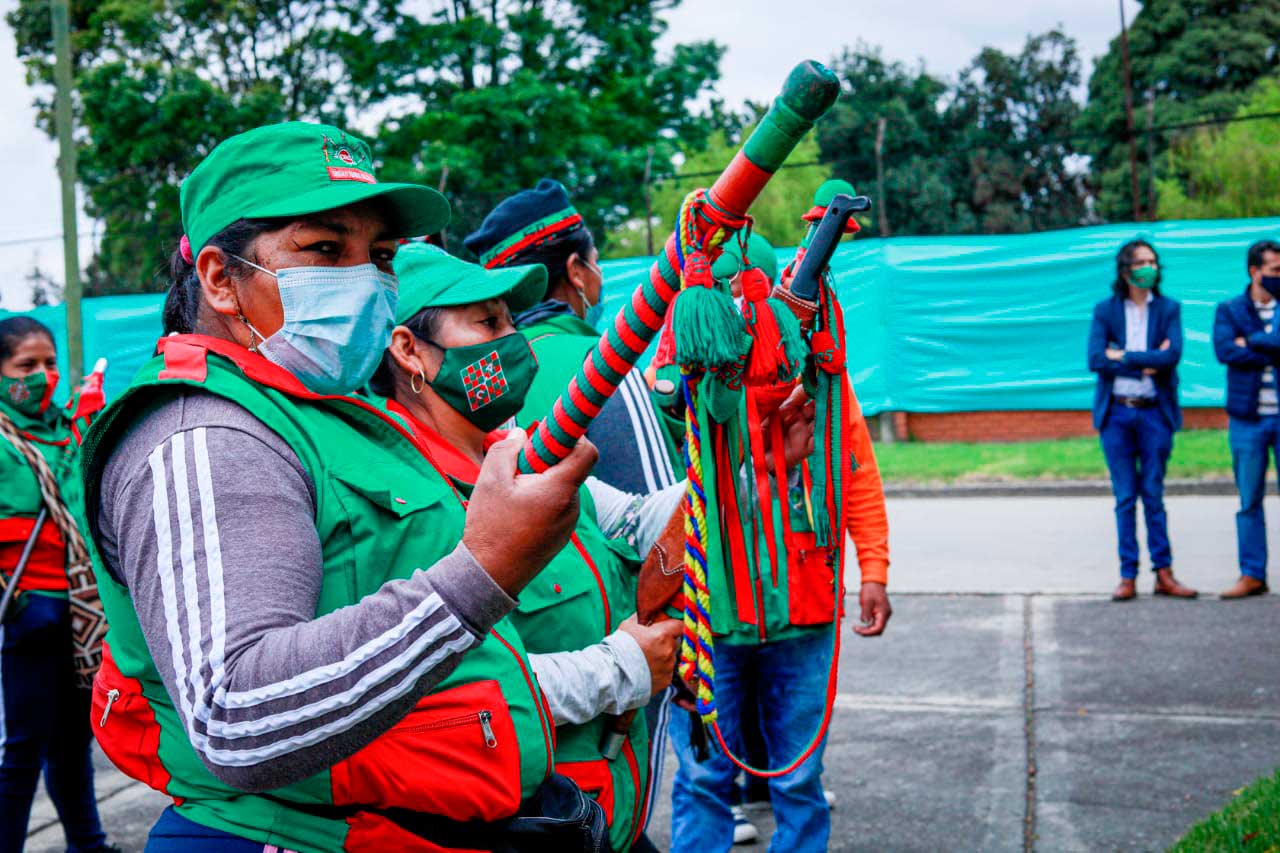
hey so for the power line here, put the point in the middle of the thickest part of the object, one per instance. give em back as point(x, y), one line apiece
point(1162, 128)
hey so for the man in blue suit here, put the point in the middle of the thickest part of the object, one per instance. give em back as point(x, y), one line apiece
point(1135, 342)
point(1246, 341)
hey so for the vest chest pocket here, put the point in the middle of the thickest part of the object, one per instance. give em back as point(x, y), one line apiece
point(392, 521)
point(561, 609)
point(455, 754)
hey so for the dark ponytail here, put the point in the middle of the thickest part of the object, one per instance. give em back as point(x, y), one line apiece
point(182, 303)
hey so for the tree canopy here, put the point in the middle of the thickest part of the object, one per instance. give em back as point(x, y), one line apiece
point(1227, 172)
point(498, 94)
point(990, 153)
point(1194, 59)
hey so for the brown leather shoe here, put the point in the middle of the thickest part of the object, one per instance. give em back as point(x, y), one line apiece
point(1244, 588)
point(1127, 591)
point(1167, 584)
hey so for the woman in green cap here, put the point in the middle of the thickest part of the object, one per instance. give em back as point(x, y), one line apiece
point(309, 642)
point(457, 369)
point(45, 666)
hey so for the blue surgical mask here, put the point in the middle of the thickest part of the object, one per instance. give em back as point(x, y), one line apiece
point(594, 311)
point(337, 323)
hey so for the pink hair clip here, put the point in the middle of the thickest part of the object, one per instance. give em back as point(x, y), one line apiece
point(184, 247)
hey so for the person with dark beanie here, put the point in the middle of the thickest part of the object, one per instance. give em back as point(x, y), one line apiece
point(541, 226)
point(1135, 343)
point(1245, 339)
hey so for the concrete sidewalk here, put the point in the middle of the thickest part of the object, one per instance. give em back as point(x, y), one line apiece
point(1011, 706)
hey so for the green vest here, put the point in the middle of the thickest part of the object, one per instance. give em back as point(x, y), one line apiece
point(560, 343)
point(20, 499)
point(382, 512)
point(582, 596)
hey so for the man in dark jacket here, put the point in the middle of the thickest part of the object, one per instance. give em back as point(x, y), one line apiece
point(1245, 339)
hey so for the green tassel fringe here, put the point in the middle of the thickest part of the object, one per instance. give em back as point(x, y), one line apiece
point(708, 329)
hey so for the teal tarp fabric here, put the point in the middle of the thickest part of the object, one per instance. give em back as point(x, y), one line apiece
point(122, 329)
point(954, 324)
point(935, 324)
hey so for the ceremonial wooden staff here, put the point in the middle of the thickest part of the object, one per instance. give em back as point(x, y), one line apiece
point(809, 92)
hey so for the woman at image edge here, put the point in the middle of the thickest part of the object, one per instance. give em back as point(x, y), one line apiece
point(297, 605)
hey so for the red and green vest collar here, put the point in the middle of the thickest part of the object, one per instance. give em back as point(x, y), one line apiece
point(535, 232)
point(447, 458)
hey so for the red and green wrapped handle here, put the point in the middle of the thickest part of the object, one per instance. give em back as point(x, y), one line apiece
point(809, 92)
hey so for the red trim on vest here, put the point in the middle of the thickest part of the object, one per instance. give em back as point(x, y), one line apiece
point(637, 814)
point(47, 567)
point(740, 566)
point(184, 361)
point(544, 712)
point(62, 442)
point(127, 731)
point(443, 739)
point(595, 779)
point(604, 595)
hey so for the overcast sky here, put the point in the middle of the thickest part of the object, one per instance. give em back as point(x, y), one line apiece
point(765, 38)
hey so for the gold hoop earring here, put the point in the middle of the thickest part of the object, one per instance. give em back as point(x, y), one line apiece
point(253, 344)
point(413, 381)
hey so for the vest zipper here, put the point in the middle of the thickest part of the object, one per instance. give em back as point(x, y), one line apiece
point(548, 731)
point(483, 717)
point(489, 740)
point(112, 696)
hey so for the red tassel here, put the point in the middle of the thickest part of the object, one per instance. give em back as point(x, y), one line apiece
point(767, 361)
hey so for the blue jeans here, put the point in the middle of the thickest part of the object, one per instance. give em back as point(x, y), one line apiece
point(1252, 443)
point(1137, 444)
point(791, 679)
point(44, 725)
point(173, 833)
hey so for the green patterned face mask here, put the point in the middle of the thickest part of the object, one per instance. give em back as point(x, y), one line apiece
point(29, 394)
point(486, 383)
point(1144, 277)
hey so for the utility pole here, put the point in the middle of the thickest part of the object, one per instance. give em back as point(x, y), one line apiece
point(67, 171)
point(1151, 154)
point(648, 202)
point(1128, 114)
point(882, 205)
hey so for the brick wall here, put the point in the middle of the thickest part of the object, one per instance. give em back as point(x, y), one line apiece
point(1020, 426)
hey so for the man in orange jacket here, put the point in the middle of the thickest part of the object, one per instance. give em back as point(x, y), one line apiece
point(777, 664)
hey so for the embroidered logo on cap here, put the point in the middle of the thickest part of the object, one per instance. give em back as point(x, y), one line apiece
point(484, 381)
point(20, 393)
point(353, 154)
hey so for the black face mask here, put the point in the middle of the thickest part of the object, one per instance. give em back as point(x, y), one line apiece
point(1271, 284)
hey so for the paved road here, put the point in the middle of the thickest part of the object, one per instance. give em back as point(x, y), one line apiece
point(1010, 707)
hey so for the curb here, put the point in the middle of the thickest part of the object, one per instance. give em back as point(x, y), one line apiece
point(1219, 486)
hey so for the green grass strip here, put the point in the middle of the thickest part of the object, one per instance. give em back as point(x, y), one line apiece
point(1250, 823)
point(1196, 454)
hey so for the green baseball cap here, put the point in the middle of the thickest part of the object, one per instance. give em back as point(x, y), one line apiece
point(760, 255)
point(292, 169)
point(430, 277)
